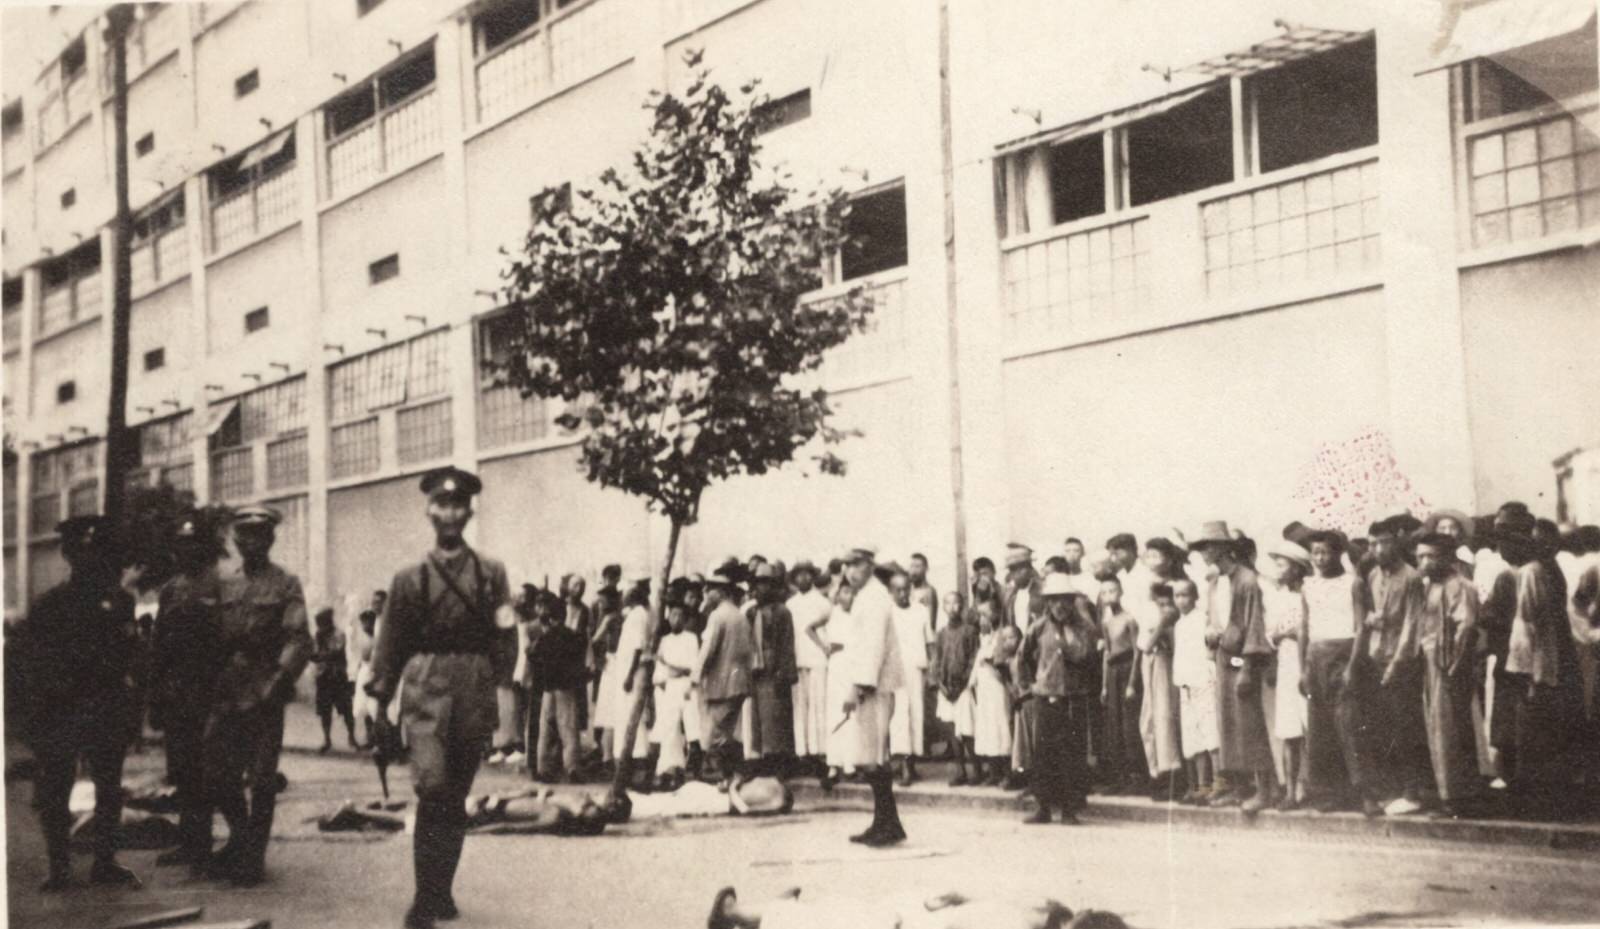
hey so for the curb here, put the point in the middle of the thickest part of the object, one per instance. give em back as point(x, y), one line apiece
point(1491, 833)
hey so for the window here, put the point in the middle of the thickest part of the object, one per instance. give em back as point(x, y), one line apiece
point(160, 248)
point(405, 80)
point(876, 233)
point(1185, 149)
point(1078, 178)
point(503, 23)
point(72, 62)
point(784, 111)
point(256, 320)
point(349, 110)
point(1317, 106)
point(70, 288)
point(253, 192)
point(11, 118)
point(155, 359)
point(505, 416)
point(1532, 76)
point(69, 197)
point(363, 7)
point(145, 145)
point(386, 122)
point(66, 391)
point(370, 387)
point(383, 269)
point(246, 83)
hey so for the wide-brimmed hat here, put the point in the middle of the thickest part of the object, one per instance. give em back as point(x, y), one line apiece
point(1058, 585)
point(721, 577)
point(1400, 524)
point(1334, 537)
point(1431, 524)
point(1291, 551)
point(1018, 555)
point(1439, 540)
point(860, 553)
point(1212, 532)
point(766, 571)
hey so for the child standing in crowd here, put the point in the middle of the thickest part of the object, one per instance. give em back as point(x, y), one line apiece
point(1158, 712)
point(953, 655)
point(1286, 612)
point(841, 738)
point(991, 697)
point(915, 638)
point(675, 658)
point(1122, 764)
point(333, 679)
point(1192, 671)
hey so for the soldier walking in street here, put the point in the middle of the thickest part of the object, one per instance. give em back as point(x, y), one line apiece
point(76, 651)
point(186, 646)
point(264, 644)
point(445, 613)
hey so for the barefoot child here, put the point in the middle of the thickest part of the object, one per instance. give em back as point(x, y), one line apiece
point(1122, 758)
point(1197, 707)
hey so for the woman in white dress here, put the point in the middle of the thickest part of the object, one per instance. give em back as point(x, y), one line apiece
point(991, 698)
point(619, 702)
point(832, 635)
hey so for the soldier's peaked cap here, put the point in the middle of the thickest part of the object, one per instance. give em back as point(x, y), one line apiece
point(84, 531)
point(451, 481)
point(257, 516)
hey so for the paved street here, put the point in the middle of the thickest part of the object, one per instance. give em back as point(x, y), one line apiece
point(1155, 876)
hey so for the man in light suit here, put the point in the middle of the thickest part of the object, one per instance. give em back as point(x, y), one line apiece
point(873, 663)
point(723, 671)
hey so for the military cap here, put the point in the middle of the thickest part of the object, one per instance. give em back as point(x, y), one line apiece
point(860, 553)
point(451, 481)
point(257, 515)
point(81, 532)
point(187, 526)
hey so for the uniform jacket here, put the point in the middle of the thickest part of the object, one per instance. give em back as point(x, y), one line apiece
point(186, 642)
point(263, 639)
point(873, 658)
point(727, 655)
point(76, 651)
point(439, 605)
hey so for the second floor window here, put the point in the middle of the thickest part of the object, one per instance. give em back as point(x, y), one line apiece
point(876, 233)
point(502, 23)
point(386, 122)
point(254, 192)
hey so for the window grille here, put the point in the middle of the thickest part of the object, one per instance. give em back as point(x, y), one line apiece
point(232, 474)
point(353, 449)
point(423, 433)
point(288, 462)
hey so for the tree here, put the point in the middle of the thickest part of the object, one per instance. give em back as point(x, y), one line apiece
point(664, 308)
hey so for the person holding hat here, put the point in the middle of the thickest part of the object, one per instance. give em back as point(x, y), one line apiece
point(1055, 670)
point(875, 671)
point(1391, 713)
point(185, 643)
point(74, 654)
point(445, 614)
point(808, 608)
point(773, 673)
point(1441, 624)
point(1236, 628)
point(265, 644)
point(722, 672)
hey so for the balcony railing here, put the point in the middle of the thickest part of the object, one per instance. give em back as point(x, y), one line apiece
point(423, 433)
point(265, 206)
point(393, 140)
point(569, 48)
point(880, 350)
point(159, 260)
point(63, 306)
point(61, 111)
point(1292, 234)
point(288, 462)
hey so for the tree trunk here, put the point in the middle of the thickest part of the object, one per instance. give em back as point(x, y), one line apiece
point(119, 440)
point(643, 678)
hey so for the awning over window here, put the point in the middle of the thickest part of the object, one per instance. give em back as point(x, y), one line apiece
point(1295, 43)
point(1502, 25)
point(1104, 121)
point(217, 415)
point(266, 150)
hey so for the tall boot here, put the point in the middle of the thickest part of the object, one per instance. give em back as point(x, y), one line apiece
point(107, 829)
point(57, 842)
point(695, 760)
point(429, 846)
point(889, 829)
point(252, 865)
point(450, 845)
point(878, 780)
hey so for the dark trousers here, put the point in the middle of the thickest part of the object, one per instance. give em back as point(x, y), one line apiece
point(1335, 760)
point(185, 742)
point(1060, 769)
point(241, 746)
point(557, 722)
point(1391, 722)
point(103, 753)
point(441, 828)
point(1121, 753)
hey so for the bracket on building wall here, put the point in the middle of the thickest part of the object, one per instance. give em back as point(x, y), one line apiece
point(220, 150)
point(399, 46)
point(279, 365)
point(486, 293)
point(78, 236)
point(333, 347)
point(53, 438)
point(216, 387)
point(78, 429)
point(419, 320)
point(253, 376)
point(147, 410)
point(1034, 114)
point(341, 77)
point(858, 172)
point(47, 250)
point(170, 401)
point(265, 122)
point(1164, 73)
point(377, 332)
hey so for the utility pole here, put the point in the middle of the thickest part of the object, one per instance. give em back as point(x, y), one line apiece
point(947, 174)
point(119, 440)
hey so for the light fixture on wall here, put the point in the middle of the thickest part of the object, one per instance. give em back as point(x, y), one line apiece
point(216, 387)
point(492, 295)
point(333, 347)
point(147, 410)
point(1165, 73)
point(219, 149)
point(78, 236)
point(172, 402)
point(251, 375)
point(377, 332)
point(1032, 113)
point(279, 365)
point(858, 172)
point(399, 46)
point(419, 320)
point(341, 77)
point(265, 122)
point(53, 438)
point(78, 429)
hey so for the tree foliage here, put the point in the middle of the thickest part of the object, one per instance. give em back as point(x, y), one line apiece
point(664, 306)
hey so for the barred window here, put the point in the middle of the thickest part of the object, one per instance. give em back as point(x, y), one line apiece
point(430, 370)
point(505, 417)
point(424, 432)
point(84, 500)
point(390, 376)
point(232, 474)
point(165, 441)
point(288, 462)
point(178, 477)
point(44, 511)
point(273, 411)
point(353, 449)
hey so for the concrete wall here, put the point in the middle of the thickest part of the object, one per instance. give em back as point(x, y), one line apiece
point(272, 38)
point(373, 531)
point(1215, 421)
point(264, 275)
point(72, 356)
point(161, 320)
point(161, 102)
point(1533, 388)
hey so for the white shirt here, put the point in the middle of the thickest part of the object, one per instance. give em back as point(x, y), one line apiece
point(1330, 607)
point(913, 635)
point(1191, 660)
point(806, 609)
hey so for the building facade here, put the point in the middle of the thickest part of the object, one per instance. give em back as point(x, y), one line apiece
point(1135, 264)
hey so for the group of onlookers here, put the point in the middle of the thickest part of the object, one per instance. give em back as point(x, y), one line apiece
point(1432, 665)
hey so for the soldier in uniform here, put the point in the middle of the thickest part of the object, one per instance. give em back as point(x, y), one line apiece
point(264, 644)
point(445, 613)
point(185, 644)
point(76, 653)
point(875, 672)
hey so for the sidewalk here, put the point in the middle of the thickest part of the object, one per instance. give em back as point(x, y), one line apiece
point(933, 791)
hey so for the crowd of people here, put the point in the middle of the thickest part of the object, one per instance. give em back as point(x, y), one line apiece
point(1442, 666)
